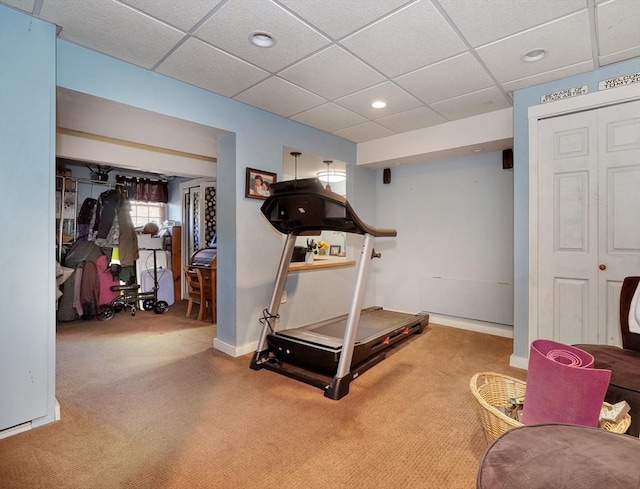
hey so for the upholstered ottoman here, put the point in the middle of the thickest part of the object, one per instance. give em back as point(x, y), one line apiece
point(560, 456)
point(625, 378)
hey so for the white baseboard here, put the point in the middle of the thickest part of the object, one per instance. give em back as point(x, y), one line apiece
point(234, 351)
point(518, 362)
point(29, 425)
point(14, 430)
point(503, 330)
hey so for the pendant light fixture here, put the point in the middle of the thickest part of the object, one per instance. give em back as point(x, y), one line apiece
point(331, 176)
point(328, 162)
point(295, 154)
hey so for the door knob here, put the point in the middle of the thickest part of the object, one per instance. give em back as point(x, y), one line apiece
point(602, 266)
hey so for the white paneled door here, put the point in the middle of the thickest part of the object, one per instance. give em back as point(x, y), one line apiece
point(589, 221)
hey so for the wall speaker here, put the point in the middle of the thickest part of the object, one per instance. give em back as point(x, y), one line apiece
point(507, 159)
point(386, 175)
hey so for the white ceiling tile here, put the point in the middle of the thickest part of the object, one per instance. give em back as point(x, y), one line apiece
point(337, 19)
point(396, 98)
point(113, 29)
point(184, 14)
point(229, 29)
point(25, 5)
point(548, 76)
point(486, 100)
point(618, 26)
point(483, 21)
point(566, 41)
point(207, 67)
point(446, 79)
point(409, 52)
point(412, 119)
point(619, 56)
point(280, 97)
point(409, 39)
point(364, 132)
point(329, 117)
point(332, 73)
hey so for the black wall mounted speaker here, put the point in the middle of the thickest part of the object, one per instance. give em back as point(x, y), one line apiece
point(507, 159)
point(386, 175)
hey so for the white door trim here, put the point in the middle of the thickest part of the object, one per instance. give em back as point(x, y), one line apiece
point(535, 113)
point(184, 259)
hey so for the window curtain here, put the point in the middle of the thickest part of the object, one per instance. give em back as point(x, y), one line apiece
point(145, 189)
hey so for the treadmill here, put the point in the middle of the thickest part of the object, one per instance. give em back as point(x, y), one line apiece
point(328, 354)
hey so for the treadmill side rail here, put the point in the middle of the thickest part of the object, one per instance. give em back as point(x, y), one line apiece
point(356, 304)
point(276, 297)
point(340, 386)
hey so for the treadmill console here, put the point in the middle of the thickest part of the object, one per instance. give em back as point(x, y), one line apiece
point(303, 206)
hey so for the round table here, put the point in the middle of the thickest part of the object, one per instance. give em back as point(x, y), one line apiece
point(561, 456)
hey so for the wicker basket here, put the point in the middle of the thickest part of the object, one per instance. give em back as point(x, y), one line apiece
point(620, 426)
point(493, 390)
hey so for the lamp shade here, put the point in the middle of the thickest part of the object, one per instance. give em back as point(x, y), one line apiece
point(332, 176)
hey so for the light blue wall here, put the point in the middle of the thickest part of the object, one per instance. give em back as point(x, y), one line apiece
point(259, 138)
point(27, 246)
point(454, 220)
point(523, 99)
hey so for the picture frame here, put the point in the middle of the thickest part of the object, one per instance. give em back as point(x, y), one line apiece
point(258, 182)
point(334, 250)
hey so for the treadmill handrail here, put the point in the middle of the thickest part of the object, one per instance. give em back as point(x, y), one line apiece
point(303, 206)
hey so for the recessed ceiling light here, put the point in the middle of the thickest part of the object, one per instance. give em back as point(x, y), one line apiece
point(534, 55)
point(477, 150)
point(262, 39)
point(379, 104)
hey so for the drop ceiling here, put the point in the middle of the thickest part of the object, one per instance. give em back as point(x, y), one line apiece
point(431, 61)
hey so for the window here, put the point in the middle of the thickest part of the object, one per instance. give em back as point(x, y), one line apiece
point(144, 212)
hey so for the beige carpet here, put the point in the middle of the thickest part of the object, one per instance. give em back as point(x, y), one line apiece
point(147, 403)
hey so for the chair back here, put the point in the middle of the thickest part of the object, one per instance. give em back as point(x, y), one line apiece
point(630, 341)
point(194, 281)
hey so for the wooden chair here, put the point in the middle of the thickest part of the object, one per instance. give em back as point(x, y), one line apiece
point(209, 278)
point(196, 292)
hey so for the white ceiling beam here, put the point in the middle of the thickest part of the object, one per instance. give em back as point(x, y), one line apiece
point(492, 131)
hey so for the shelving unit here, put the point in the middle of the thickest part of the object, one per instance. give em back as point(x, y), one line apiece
point(67, 189)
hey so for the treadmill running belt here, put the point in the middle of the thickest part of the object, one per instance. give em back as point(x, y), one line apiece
point(318, 346)
point(374, 322)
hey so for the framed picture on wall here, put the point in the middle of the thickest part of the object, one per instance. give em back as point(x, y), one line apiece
point(258, 183)
point(334, 250)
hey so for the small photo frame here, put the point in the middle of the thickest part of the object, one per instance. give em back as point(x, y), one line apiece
point(258, 183)
point(334, 250)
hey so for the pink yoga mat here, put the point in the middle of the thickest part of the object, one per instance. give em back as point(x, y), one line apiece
point(563, 386)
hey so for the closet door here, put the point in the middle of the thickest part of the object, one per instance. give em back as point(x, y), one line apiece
point(568, 248)
point(589, 221)
point(619, 209)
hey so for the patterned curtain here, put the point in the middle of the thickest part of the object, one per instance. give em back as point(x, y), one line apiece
point(210, 213)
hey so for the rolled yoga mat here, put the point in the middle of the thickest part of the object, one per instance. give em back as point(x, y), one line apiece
point(563, 386)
